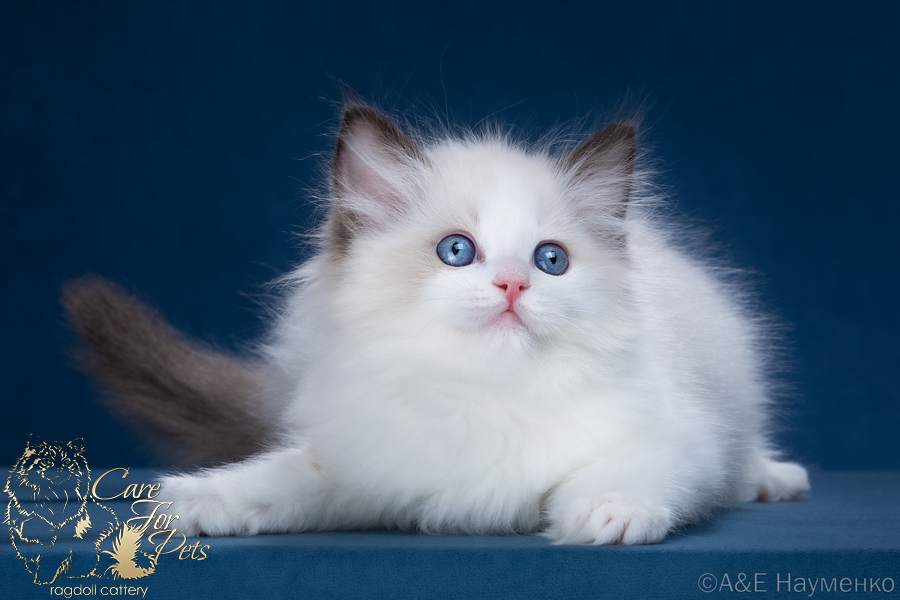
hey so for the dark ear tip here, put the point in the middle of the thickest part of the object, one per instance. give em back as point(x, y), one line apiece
point(614, 144)
point(360, 113)
point(622, 132)
point(359, 117)
point(355, 111)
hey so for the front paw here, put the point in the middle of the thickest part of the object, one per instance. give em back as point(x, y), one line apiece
point(782, 481)
point(201, 510)
point(609, 520)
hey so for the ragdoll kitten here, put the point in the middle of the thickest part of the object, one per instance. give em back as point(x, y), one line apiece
point(490, 339)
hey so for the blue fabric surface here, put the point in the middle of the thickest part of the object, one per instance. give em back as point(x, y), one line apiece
point(848, 530)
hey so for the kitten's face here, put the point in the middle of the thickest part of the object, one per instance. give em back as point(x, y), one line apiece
point(472, 245)
point(463, 265)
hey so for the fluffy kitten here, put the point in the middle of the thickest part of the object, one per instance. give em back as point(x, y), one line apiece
point(491, 339)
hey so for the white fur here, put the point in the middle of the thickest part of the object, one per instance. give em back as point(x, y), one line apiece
point(631, 402)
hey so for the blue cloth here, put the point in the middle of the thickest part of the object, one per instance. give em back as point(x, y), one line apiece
point(847, 531)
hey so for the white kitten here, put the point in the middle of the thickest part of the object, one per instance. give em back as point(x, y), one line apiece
point(491, 339)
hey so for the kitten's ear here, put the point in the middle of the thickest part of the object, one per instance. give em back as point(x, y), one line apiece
point(34, 440)
point(373, 164)
point(77, 445)
point(604, 165)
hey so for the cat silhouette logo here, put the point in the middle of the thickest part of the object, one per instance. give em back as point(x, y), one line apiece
point(58, 528)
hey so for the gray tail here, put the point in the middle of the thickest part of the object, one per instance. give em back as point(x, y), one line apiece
point(203, 405)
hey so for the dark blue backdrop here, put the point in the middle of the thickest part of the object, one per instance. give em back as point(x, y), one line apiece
point(157, 144)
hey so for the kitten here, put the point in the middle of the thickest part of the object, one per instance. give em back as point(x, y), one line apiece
point(491, 339)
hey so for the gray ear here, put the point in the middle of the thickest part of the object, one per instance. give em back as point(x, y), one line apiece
point(370, 173)
point(606, 161)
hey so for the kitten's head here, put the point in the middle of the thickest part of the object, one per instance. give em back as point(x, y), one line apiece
point(477, 243)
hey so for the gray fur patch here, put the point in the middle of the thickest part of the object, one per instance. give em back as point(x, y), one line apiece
point(204, 403)
point(614, 149)
point(342, 224)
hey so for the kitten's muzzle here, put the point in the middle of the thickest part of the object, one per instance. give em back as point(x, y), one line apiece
point(512, 288)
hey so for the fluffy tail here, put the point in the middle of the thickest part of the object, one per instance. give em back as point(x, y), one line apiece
point(206, 405)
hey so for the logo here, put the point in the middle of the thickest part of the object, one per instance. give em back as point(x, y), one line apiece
point(61, 528)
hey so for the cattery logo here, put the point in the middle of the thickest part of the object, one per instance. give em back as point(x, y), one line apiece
point(60, 527)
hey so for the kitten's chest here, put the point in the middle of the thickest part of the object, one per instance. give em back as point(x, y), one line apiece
point(443, 430)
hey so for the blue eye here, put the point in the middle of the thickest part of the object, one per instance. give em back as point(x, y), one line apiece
point(551, 259)
point(456, 250)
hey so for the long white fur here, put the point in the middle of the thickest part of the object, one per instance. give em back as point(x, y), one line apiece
point(632, 402)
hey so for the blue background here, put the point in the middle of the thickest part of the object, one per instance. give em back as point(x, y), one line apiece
point(168, 146)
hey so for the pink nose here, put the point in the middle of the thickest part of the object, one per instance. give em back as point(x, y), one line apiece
point(512, 288)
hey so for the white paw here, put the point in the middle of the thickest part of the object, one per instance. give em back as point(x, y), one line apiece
point(611, 520)
point(782, 481)
point(201, 510)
